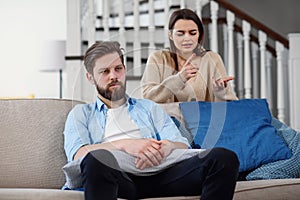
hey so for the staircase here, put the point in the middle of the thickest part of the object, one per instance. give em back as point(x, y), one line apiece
point(255, 55)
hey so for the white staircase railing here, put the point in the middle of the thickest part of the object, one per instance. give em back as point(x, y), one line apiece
point(249, 53)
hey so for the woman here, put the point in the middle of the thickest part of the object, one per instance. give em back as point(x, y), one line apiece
point(186, 71)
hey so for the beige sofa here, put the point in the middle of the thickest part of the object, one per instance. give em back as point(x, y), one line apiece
point(32, 155)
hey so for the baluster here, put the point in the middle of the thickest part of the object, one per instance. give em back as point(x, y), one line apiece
point(269, 93)
point(74, 47)
point(136, 43)
point(247, 71)
point(286, 94)
point(91, 23)
point(262, 37)
point(225, 46)
point(182, 4)
point(99, 10)
point(254, 48)
point(280, 83)
point(199, 8)
point(240, 65)
point(230, 17)
point(106, 19)
point(214, 7)
point(166, 26)
point(122, 38)
point(83, 21)
point(151, 27)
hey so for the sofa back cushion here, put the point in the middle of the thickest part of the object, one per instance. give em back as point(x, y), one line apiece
point(243, 126)
point(31, 142)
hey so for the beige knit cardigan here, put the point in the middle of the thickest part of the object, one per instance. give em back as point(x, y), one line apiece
point(162, 83)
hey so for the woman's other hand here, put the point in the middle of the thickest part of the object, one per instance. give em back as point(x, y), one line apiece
point(221, 83)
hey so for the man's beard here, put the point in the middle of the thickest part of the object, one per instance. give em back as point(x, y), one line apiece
point(115, 94)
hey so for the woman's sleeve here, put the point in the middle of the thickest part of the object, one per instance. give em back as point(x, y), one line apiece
point(156, 84)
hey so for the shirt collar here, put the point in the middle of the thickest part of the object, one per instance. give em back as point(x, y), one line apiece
point(99, 105)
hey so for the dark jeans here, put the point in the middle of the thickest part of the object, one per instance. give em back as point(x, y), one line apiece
point(212, 175)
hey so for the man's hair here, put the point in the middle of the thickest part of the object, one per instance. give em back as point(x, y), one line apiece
point(98, 50)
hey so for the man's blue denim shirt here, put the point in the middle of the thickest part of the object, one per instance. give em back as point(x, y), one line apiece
point(86, 124)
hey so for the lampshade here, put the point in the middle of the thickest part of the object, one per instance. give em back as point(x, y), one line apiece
point(52, 55)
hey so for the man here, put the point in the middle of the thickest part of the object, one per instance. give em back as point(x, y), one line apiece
point(143, 130)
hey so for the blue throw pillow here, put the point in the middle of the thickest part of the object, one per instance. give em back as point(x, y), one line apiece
point(288, 168)
point(243, 126)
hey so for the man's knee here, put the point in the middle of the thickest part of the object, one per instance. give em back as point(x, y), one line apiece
point(100, 158)
point(224, 156)
point(225, 153)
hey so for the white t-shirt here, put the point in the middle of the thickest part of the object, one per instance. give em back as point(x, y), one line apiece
point(119, 125)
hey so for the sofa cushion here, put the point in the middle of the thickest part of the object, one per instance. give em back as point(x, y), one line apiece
point(275, 189)
point(281, 169)
point(243, 126)
point(254, 190)
point(39, 194)
point(31, 142)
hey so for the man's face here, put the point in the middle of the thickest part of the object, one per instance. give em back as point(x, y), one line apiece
point(109, 77)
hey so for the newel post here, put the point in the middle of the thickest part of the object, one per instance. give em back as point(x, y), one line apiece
point(294, 80)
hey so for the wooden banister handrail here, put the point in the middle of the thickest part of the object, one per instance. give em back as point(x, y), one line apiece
point(73, 57)
point(258, 25)
point(256, 40)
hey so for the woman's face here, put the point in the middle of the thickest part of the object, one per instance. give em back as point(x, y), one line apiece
point(185, 36)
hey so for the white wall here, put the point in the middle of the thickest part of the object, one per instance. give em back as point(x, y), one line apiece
point(25, 24)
